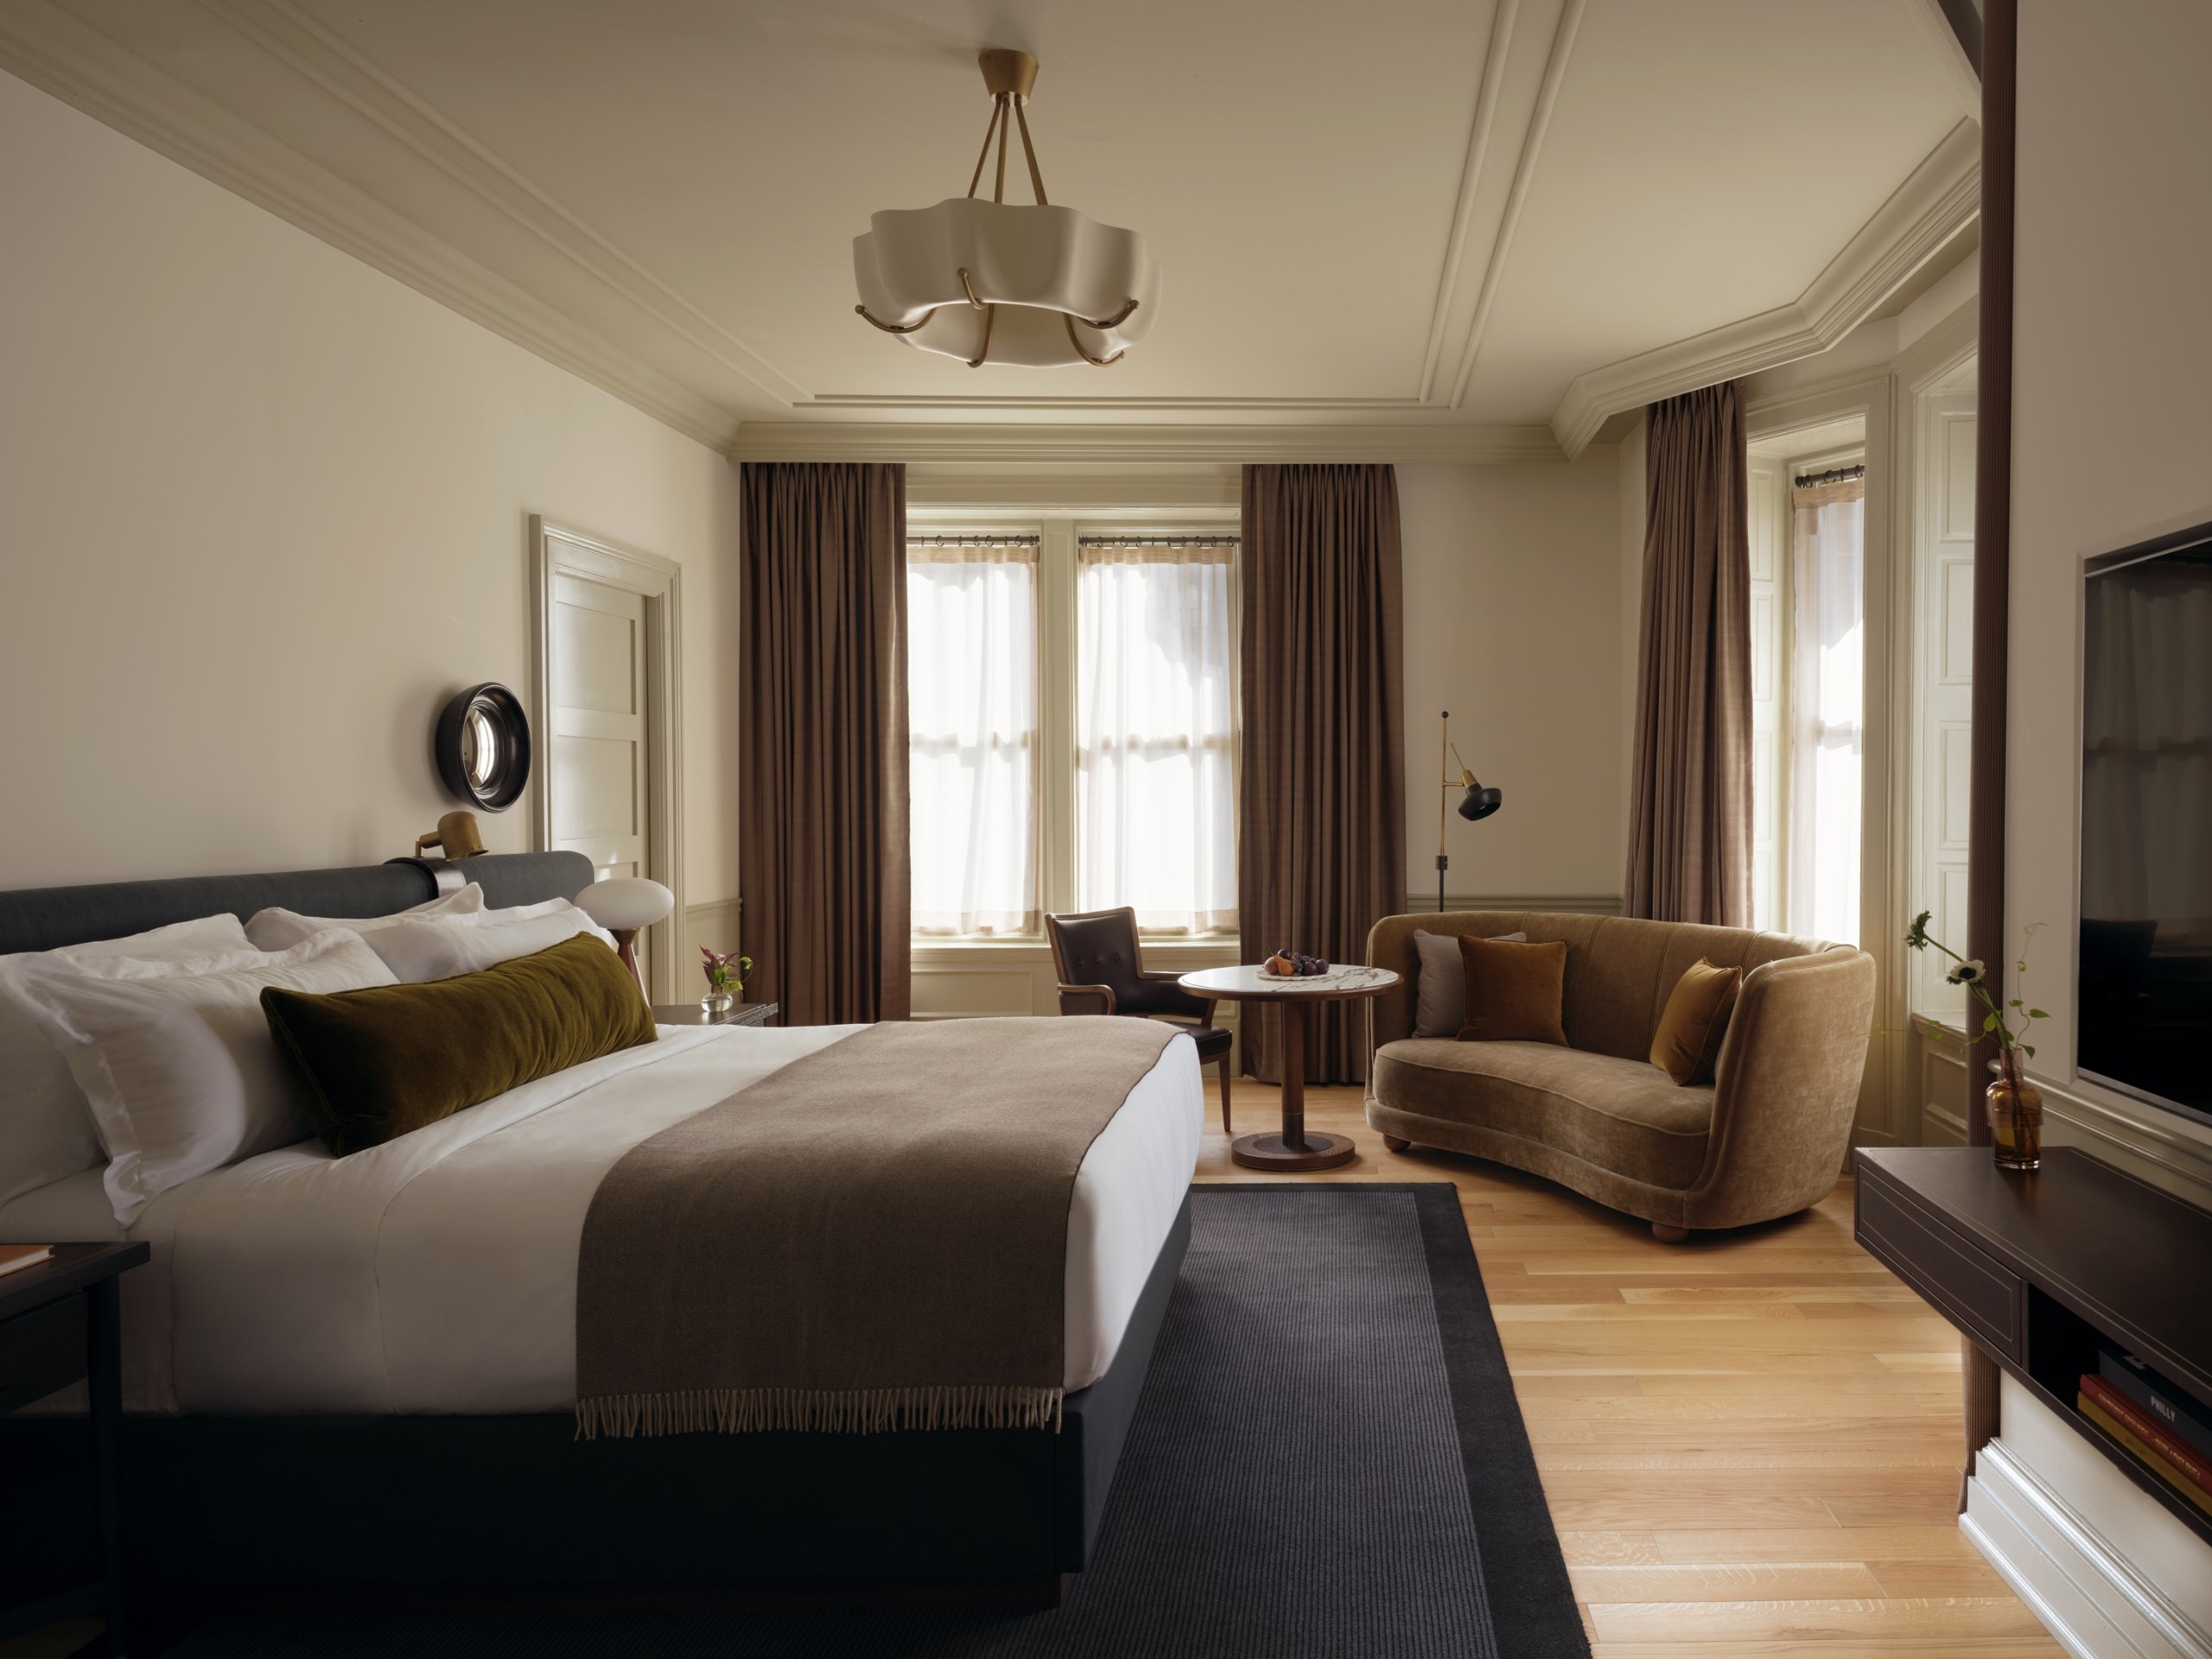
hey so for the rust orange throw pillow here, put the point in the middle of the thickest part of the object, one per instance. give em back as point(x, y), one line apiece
point(1686, 1045)
point(1515, 992)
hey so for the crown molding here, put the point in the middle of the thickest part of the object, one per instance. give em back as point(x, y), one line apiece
point(297, 41)
point(1125, 445)
point(53, 51)
point(1940, 199)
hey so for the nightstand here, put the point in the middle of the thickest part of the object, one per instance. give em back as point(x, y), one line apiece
point(58, 1325)
point(691, 1013)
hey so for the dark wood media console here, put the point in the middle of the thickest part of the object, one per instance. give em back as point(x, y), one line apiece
point(2038, 1270)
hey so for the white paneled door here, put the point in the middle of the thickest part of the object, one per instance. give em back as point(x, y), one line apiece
point(598, 751)
point(610, 718)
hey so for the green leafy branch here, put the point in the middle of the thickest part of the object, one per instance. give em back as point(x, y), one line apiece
point(1997, 1019)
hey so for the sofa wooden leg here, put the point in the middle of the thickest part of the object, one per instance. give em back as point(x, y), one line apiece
point(1667, 1235)
point(1395, 1144)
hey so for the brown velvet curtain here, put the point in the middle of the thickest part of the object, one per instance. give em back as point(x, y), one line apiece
point(1321, 829)
point(1689, 855)
point(821, 721)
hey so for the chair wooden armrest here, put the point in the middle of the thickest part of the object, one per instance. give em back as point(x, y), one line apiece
point(1087, 999)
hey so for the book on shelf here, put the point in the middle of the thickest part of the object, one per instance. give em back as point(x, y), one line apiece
point(2186, 1418)
point(2099, 1409)
point(14, 1257)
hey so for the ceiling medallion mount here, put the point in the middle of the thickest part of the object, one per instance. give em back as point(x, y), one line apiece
point(1039, 287)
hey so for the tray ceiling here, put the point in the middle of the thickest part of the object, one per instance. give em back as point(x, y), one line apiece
point(1476, 226)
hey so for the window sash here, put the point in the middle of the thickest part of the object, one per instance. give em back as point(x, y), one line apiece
point(972, 623)
point(1155, 731)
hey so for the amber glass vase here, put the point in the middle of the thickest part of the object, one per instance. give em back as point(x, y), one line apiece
point(2015, 1121)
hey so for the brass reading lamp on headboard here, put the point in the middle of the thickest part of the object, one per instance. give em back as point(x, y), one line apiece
point(1475, 804)
point(456, 838)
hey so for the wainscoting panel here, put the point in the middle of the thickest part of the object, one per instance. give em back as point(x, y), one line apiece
point(713, 925)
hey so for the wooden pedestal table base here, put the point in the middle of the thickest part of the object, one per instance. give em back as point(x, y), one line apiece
point(1295, 1146)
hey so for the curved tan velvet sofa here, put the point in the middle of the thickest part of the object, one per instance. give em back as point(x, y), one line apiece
point(1766, 1138)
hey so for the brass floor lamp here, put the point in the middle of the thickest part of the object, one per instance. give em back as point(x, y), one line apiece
point(1475, 804)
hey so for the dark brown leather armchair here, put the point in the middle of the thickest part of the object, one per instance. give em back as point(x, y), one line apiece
point(1101, 971)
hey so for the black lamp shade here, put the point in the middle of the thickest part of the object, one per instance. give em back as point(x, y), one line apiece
point(1479, 803)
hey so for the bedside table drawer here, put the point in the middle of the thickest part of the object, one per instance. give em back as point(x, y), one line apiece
point(41, 1352)
point(1972, 1288)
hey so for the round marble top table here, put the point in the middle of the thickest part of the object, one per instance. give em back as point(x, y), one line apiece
point(1293, 1148)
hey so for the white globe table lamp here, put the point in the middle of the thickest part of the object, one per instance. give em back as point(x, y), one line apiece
point(625, 906)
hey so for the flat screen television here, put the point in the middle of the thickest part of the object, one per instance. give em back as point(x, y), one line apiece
point(2143, 980)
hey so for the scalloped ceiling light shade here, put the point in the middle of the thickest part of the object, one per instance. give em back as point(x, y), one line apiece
point(1038, 287)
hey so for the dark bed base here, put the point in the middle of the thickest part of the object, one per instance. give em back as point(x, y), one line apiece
point(245, 1507)
point(493, 1504)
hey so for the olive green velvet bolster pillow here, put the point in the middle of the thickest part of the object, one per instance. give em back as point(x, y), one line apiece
point(373, 1064)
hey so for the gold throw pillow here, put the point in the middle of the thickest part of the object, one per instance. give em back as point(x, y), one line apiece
point(1686, 1045)
point(1515, 992)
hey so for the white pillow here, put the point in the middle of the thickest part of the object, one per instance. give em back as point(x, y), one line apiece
point(181, 1072)
point(531, 913)
point(46, 1133)
point(420, 950)
point(278, 929)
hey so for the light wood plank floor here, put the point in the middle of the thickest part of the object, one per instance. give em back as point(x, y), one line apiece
point(1750, 1442)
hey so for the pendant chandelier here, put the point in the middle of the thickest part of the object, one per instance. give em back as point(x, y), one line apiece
point(1041, 286)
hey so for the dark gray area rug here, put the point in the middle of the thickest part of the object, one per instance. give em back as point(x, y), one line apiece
point(1327, 1460)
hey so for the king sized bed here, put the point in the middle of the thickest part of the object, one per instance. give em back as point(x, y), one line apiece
point(357, 1371)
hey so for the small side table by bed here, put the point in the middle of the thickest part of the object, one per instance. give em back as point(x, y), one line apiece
point(1295, 1147)
point(58, 1325)
point(691, 1013)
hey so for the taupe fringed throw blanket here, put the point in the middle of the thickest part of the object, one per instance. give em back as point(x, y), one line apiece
point(873, 1239)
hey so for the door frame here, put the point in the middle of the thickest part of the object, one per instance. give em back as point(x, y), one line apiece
point(557, 550)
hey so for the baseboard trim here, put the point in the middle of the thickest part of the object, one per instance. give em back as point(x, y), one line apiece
point(2091, 1600)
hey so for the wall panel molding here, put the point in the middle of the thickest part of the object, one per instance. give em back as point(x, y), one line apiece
point(1123, 444)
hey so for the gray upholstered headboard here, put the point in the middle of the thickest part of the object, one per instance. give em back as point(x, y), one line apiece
point(41, 918)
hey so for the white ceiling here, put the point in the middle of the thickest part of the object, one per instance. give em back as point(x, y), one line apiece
point(1474, 220)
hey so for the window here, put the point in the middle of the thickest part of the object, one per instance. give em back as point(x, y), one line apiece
point(1827, 633)
point(1072, 696)
point(1809, 648)
point(971, 714)
point(1155, 779)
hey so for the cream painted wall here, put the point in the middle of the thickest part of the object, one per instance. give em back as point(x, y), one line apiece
point(2111, 429)
point(1513, 590)
point(262, 510)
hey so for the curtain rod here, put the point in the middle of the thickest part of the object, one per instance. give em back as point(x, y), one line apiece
point(972, 539)
point(1159, 541)
point(1834, 475)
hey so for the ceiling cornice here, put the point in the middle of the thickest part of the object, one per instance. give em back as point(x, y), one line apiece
point(54, 51)
point(1940, 200)
point(1126, 444)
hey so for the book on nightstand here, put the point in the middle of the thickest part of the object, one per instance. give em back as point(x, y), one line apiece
point(2155, 1450)
point(2187, 1420)
point(15, 1257)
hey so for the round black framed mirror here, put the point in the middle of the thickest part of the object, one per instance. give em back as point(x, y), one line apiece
point(482, 746)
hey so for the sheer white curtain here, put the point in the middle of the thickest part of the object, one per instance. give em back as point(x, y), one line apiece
point(1827, 573)
point(971, 653)
point(1156, 781)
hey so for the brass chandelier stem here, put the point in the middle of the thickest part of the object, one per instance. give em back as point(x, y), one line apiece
point(984, 154)
point(1036, 179)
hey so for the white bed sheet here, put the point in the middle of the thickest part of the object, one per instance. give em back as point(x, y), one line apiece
point(436, 1274)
